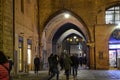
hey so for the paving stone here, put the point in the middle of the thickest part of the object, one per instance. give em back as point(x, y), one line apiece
point(82, 75)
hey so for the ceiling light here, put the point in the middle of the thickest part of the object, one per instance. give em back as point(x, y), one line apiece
point(66, 15)
point(74, 37)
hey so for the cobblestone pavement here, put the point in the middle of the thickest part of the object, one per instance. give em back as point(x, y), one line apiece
point(82, 75)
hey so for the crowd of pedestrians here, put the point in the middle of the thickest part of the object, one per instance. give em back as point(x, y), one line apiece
point(67, 63)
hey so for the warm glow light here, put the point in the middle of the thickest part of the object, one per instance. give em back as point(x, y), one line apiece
point(67, 39)
point(77, 40)
point(74, 37)
point(29, 56)
point(67, 15)
point(70, 40)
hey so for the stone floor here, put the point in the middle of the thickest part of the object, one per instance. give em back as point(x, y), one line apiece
point(82, 75)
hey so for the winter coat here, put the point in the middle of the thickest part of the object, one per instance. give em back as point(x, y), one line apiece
point(67, 63)
point(4, 73)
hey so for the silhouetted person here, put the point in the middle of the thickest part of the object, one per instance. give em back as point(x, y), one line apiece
point(80, 60)
point(75, 63)
point(84, 60)
point(67, 65)
point(54, 68)
point(50, 63)
point(61, 59)
point(36, 64)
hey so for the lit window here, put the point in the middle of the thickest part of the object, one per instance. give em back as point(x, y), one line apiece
point(112, 15)
point(70, 40)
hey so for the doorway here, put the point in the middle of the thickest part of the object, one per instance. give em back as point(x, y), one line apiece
point(114, 55)
point(113, 58)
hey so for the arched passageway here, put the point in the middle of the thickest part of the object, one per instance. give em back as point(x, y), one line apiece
point(65, 34)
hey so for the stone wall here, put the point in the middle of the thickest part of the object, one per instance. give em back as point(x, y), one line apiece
point(6, 26)
point(26, 26)
point(1, 26)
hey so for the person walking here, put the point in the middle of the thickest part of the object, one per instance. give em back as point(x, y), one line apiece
point(36, 64)
point(67, 65)
point(54, 68)
point(61, 59)
point(80, 60)
point(4, 67)
point(84, 61)
point(50, 63)
point(75, 64)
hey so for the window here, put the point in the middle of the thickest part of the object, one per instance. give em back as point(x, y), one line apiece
point(112, 15)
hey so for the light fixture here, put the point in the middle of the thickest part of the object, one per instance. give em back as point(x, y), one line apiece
point(74, 37)
point(70, 40)
point(67, 39)
point(77, 40)
point(66, 15)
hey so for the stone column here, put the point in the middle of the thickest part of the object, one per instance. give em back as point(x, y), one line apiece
point(92, 55)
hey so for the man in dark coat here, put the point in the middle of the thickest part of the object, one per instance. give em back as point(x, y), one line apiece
point(36, 64)
point(67, 65)
point(75, 64)
point(50, 63)
point(54, 68)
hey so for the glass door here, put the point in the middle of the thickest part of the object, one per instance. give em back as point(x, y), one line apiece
point(112, 58)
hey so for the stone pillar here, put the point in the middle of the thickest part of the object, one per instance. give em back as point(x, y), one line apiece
point(6, 27)
point(92, 55)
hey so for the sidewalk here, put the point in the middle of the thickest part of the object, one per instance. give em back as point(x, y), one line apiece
point(82, 75)
point(30, 76)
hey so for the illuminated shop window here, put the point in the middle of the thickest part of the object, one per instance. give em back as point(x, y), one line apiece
point(113, 15)
point(29, 54)
point(29, 42)
point(20, 55)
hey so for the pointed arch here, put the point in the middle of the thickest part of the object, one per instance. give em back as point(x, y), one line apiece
point(56, 20)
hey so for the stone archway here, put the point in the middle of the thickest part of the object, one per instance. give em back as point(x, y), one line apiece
point(53, 25)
